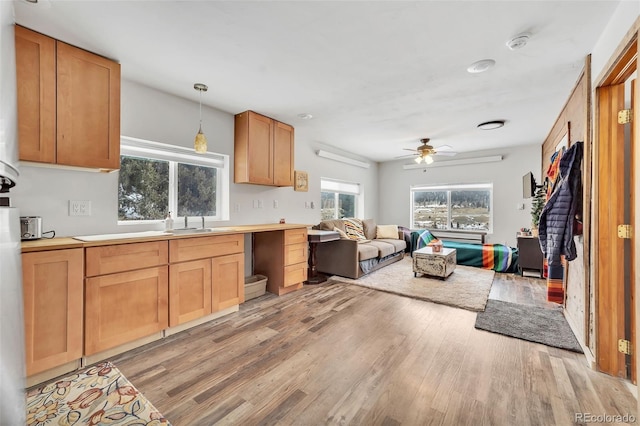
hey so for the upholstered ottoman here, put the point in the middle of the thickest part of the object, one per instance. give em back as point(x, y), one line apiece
point(428, 262)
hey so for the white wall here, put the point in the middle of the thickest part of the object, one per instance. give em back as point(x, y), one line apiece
point(150, 114)
point(506, 176)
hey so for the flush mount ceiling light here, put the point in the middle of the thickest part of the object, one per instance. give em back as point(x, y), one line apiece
point(200, 144)
point(481, 66)
point(519, 41)
point(305, 116)
point(491, 125)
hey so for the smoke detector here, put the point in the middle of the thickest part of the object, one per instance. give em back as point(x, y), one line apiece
point(519, 41)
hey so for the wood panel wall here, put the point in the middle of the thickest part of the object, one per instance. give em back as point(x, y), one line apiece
point(576, 117)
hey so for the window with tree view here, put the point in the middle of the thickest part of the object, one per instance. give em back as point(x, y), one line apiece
point(451, 207)
point(155, 179)
point(338, 199)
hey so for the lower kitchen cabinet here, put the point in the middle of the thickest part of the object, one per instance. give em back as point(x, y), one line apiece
point(228, 281)
point(282, 257)
point(126, 306)
point(52, 285)
point(189, 291)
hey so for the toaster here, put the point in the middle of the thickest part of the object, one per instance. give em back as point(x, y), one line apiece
point(31, 227)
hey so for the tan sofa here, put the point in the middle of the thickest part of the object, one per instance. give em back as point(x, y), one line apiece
point(353, 259)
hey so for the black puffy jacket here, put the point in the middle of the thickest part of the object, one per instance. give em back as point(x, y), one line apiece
point(558, 214)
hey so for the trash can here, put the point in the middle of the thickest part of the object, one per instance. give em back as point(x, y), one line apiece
point(254, 286)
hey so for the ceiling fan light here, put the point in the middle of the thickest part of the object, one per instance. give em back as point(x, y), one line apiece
point(418, 159)
point(428, 159)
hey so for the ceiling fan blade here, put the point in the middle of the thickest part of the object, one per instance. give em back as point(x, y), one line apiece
point(407, 149)
point(406, 156)
point(445, 153)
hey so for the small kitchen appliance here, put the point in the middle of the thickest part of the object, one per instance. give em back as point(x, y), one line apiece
point(31, 227)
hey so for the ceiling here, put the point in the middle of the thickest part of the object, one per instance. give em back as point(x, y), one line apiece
point(376, 75)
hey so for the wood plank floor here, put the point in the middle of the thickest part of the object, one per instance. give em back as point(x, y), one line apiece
point(343, 354)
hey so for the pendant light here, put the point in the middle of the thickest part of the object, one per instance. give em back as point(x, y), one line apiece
point(200, 144)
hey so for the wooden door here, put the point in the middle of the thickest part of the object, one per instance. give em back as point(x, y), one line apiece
point(36, 80)
point(615, 186)
point(189, 291)
point(228, 281)
point(52, 283)
point(88, 105)
point(283, 148)
point(260, 149)
point(123, 307)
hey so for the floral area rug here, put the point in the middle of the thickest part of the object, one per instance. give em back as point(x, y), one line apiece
point(100, 395)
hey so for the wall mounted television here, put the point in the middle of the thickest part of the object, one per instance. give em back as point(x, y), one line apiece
point(528, 185)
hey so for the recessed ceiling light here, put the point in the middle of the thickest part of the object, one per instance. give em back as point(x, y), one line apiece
point(519, 41)
point(481, 66)
point(305, 116)
point(491, 125)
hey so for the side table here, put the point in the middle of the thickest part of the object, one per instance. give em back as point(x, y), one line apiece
point(316, 237)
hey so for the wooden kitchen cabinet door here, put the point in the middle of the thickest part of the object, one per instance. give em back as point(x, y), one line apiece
point(36, 77)
point(283, 145)
point(189, 291)
point(88, 105)
point(228, 281)
point(52, 284)
point(123, 307)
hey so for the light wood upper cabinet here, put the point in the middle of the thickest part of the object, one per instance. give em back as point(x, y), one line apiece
point(264, 150)
point(53, 299)
point(68, 103)
point(88, 109)
point(36, 74)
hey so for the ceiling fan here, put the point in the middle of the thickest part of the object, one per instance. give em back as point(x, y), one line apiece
point(425, 152)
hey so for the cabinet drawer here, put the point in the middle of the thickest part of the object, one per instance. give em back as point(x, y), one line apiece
point(125, 257)
point(295, 274)
point(295, 236)
point(295, 253)
point(184, 249)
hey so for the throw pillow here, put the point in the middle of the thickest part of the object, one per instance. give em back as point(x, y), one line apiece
point(341, 232)
point(387, 231)
point(354, 229)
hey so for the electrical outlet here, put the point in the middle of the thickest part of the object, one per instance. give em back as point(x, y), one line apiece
point(306, 204)
point(255, 204)
point(236, 208)
point(260, 204)
point(275, 204)
point(312, 205)
point(79, 208)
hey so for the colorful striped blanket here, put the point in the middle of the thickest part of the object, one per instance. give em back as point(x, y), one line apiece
point(498, 257)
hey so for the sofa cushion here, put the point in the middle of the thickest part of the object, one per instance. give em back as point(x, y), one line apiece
point(384, 248)
point(387, 231)
point(367, 251)
point(369, 226)
point(399, 245)
point(354, 229)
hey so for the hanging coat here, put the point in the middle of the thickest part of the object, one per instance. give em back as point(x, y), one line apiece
point(558, 214)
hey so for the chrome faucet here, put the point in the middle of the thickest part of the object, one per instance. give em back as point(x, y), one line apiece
point(202, 222)
point(185, 221)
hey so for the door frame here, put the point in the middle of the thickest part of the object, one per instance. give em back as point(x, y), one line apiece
point(620, 67)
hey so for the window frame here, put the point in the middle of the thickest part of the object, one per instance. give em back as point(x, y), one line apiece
point(448, 189)
point(342, 187)
point(174, 155)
